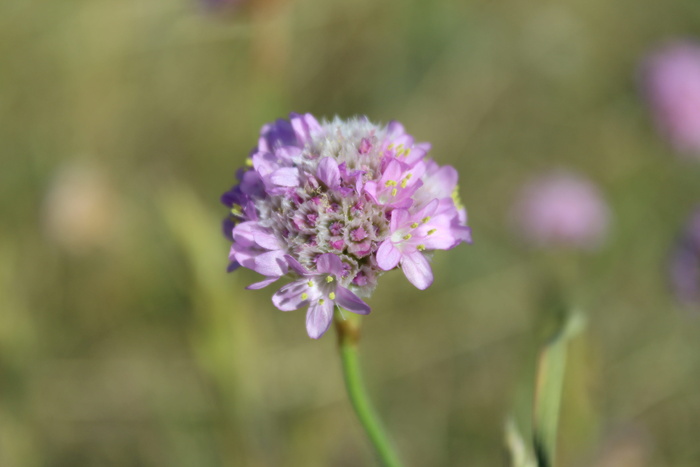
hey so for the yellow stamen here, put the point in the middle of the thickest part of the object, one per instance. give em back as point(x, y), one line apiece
point(420, 247)
point(331, 295)
point(409, 176)
point(304, 296)
point(321, 301)
point(426, 219)
point(390, 183)
point(407, 236)
point(414, 225)
point(394, 191)
point(236, 210)
point(404, 182)
point(249, 162)
point(456, 198)
point(329, 279)
point(310, 283)
point(432, 231)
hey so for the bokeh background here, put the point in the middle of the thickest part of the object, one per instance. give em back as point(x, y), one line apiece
point(123, 342)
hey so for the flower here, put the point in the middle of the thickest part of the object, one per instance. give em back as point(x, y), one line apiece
point(335, 204)
point(562, 209)
point(671, 82)
point(685, 263)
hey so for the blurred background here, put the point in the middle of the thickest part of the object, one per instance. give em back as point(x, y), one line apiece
point(123, 342)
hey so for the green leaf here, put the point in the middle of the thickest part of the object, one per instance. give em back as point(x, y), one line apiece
point(520, 455)
point(548, 389)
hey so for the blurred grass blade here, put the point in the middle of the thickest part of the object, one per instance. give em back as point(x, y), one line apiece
point(548, 390)
point(520, 456)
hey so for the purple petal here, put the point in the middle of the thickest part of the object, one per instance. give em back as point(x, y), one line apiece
point(275, 134)
point(233, 265)
point(286, 176)
point(296, 266)
point(351, 302)
point(264, 163)
point(328, 172)
point(289, 297)
point(319, 318)
point(304, 126)
point(417, 270)
point(388, 255)
point(270, 264)
point(251, 184)
point(266, 240)
point(288, 153)
point(329, 264)
point(264, 283)
point(243, 234)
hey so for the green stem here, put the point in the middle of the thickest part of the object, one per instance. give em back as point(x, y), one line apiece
point(348, 336)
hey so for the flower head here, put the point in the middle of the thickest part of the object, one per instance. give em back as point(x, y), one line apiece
point(685, 263)
point(562, 209)
point(334, 205)
point(671, 81)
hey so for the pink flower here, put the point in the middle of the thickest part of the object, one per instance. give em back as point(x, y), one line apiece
point(562, 209)
point(335, 204)
point(671, 81)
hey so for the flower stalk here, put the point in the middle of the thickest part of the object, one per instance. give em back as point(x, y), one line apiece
point(348, 337)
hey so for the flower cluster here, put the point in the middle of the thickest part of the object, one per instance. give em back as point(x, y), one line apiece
point(335, 204)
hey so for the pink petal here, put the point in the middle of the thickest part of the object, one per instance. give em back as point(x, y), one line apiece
point(319, 318)
point(388, 255)
point(399, 218)
point(417, 270)
point(328, 172)
point(393, 171)
point(371, 190)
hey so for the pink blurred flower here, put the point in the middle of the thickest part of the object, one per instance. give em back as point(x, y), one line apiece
point(562, 209)
point(671, 82)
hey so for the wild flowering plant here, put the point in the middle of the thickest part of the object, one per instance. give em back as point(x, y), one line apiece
point(334, 205)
